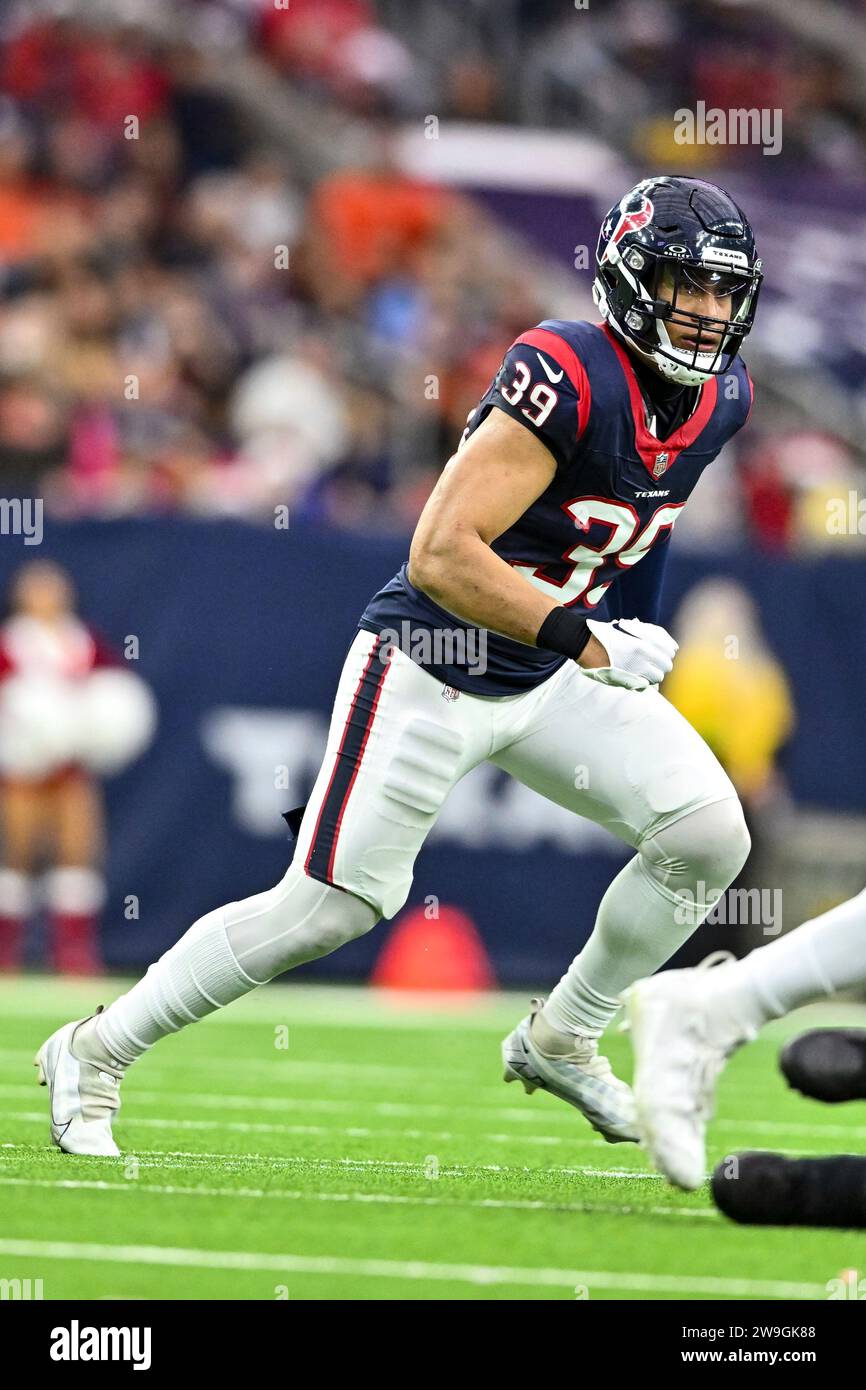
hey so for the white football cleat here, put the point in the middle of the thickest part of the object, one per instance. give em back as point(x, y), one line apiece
point(579, 1076)
point(84, 1092)
point(681, 1044)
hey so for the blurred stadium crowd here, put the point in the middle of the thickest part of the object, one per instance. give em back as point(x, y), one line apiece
point(191, 320)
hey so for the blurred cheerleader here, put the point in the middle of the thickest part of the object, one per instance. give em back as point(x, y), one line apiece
point(69, 713)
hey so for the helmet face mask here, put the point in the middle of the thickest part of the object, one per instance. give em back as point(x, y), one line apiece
point(669, 246)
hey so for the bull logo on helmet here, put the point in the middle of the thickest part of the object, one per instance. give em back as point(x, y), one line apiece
point(630, 220)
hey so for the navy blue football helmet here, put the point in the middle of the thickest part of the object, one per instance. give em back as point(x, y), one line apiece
point(666, 234)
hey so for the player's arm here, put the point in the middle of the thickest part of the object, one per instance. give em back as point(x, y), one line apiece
point(497, 474)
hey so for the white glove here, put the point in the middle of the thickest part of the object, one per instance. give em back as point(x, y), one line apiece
point(641, 654)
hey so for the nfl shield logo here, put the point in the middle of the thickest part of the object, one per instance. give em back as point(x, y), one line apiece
point(449, 693)
point(661, 463)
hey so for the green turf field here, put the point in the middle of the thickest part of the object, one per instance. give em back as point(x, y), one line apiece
point(379, 1156)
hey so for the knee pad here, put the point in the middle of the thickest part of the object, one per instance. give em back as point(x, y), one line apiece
point(699, 855)
point(300, 919)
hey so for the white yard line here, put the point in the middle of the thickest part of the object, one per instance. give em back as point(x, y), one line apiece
point(528, 1114)
point(484, 1275)
point(444, 1136)
point(428, 1136)
point(281, 1064)
point(181, 1158)
point(365, 1198)
point(805, 1131)
point(525, 1115)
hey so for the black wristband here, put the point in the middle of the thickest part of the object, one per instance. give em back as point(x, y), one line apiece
point(563, 631)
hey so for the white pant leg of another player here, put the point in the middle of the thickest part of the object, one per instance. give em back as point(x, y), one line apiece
point(685, 1024)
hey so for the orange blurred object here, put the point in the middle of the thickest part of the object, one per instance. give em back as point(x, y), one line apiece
point(372, 220)
point(434, 953)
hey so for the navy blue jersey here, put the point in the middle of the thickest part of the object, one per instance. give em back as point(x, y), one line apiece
point(598, 535)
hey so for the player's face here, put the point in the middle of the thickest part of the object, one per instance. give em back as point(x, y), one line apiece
point(708, 294)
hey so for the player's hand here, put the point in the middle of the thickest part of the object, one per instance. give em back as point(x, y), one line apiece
point(639, 654)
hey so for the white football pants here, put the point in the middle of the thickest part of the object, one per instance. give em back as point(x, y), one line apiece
point(398, 742)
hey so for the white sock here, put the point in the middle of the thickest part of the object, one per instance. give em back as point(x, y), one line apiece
point(635, 932)
point(652, 906)
point(814, 961)
point(229, 952)
point(196, 976)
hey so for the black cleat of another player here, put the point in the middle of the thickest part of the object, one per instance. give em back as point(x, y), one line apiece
point(827, 1064)
point(765, 1189)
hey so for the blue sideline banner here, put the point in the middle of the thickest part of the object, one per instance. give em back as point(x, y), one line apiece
point(242, 632)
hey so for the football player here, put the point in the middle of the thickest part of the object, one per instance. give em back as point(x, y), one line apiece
point(574, 468)
point(685, 1024)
